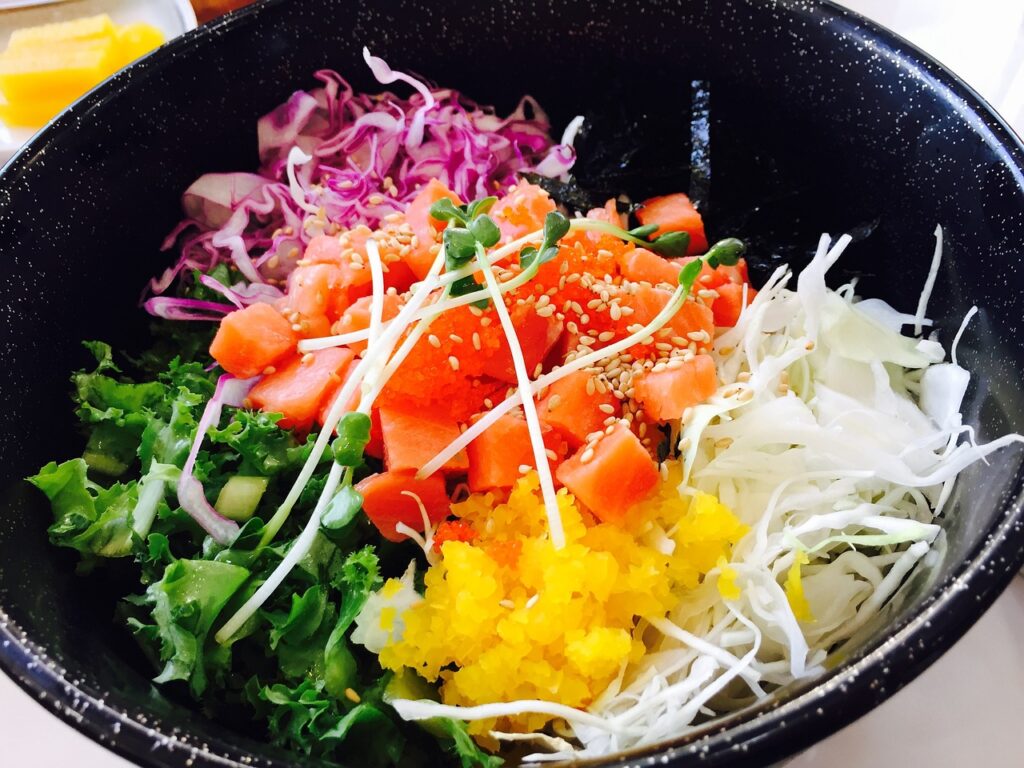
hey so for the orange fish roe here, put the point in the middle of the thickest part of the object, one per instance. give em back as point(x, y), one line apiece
point(564, 620)
point(453, 530)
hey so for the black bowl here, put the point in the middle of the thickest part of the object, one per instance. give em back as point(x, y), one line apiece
point(819, 121)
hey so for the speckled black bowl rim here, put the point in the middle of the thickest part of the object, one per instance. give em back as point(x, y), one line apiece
point(759, 735)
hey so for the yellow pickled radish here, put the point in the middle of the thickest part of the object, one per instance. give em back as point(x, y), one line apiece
point(88, 28)
point(45, 68)
point(65, 71)
point(29, 113)
point(136, 40)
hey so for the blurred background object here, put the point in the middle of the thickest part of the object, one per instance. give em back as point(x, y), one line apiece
point(210, 9)
point(55, 65)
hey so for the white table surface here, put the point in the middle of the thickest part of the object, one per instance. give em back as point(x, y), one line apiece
point(964, 711)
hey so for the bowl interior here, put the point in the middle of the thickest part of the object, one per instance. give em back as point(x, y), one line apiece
point(818, 123)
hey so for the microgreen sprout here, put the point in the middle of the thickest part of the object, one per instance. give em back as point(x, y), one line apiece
point(468, 225)
point(342, 509)
point(353, 435)
point(556, 226)
point(725, 252)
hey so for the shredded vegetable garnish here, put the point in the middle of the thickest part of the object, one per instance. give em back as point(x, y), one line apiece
point(350, 159)
point(571, 482)
point(835, 462)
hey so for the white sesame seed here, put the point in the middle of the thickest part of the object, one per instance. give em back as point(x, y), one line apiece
point(434, 341)
point(606, 408)
point(453, 361)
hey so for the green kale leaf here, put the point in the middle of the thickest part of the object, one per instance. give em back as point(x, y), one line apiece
point(87, 517)
point(184, 605)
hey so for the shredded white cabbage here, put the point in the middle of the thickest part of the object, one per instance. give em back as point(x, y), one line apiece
point(835, 439)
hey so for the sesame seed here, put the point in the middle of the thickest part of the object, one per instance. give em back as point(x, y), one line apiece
point(524, 468)
point(606, 408)
point(546, 311)
point(453, 361)
point(684, 444)
point(743, 376)
point(586, 456)
point(296, 327)
point(269, 370)
point(585, 318)
point(696, 335)
point(484, 322)
point(590, 386)
point(455, 337)
point(679, 341)
point(476, 311)
point(663, 346)
point(615, 311)
point(554, 402)
point(307, 358)
point(587, 340)
point(537, 370)
point(476, 341)
point(434, 341)
point(552, 456)
point(543, 301)
point(488, 403)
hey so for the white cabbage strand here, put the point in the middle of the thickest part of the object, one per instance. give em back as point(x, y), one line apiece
point(834, 438)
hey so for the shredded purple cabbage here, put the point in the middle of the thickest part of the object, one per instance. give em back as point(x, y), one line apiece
point(370, 155)
point(191, 496)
